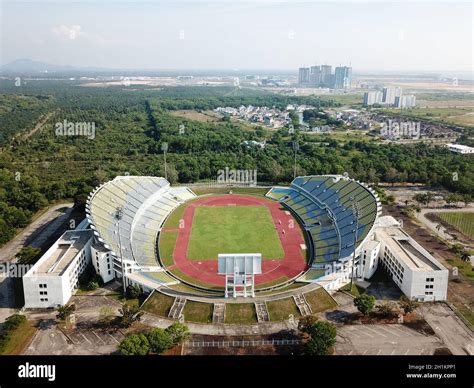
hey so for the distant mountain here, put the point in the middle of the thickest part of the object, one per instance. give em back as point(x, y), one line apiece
point(26, 65)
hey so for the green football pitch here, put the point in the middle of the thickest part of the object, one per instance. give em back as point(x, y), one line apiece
point(233, 229)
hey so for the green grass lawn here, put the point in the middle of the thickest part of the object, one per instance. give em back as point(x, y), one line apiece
point(240, 313)
point(173, 220)
point(159, 304)
point(233, 229)
point(167, 244)
point(19, 338)
point(280, 309)
point(198, 312)
point(464, 222)
point(319, 300)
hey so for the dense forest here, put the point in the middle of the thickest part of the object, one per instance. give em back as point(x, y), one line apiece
point(132, 123)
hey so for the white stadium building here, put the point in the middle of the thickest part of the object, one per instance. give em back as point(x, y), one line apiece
point(339, 215)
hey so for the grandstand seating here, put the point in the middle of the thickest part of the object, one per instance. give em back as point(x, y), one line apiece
point(325, 206)
point(145, 204)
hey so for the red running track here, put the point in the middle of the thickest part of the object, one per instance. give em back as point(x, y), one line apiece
point(206, 270)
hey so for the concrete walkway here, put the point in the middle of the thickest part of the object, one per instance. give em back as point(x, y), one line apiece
point(211, 299)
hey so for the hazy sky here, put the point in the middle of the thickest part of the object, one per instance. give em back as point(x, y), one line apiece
point(372, 35)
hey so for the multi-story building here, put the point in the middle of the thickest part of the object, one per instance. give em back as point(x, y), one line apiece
point(371, 98)
point(327, 78)
point(343, 77)
point(304, 73)
point(413, 269)
point(389, 94)
point(53, 279)
point(460, 148)
point(408, 101)
point(315, 76)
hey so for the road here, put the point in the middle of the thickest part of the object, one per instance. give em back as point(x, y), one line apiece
point(448, 327)
point(38, 231)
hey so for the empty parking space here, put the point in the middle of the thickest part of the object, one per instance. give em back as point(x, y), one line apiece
point(384, 340)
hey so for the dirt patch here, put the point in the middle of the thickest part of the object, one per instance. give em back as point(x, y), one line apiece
point(193, 115)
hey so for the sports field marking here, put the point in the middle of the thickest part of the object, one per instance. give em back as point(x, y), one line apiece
point(229, 229)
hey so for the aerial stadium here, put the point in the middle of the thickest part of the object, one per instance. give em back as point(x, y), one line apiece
point(161, 236)
point(234, 246)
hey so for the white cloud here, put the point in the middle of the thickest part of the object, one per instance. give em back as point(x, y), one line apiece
point(68, 32)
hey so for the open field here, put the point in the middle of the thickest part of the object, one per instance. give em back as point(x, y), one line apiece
point(240, 313)
point(456, 116)
point(279, 310)
point(233, 229)
point(194, 115)
point(159, 304)
point(319, 300)
point(198, 312)
point(463, 222)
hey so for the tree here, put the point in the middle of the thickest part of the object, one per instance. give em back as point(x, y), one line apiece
point(92, 285)
point(134, 345)
point(159, 340)
point(407, 304)
point(66, 310)
point(13, 321)
point(365, 303)
point(322, 337)
point(386, 309)
point(178, 332)
point(129, 315)
point(133, 292)
point(305, 323)
point(392, 175)
point(28, 255)
point(465, 256)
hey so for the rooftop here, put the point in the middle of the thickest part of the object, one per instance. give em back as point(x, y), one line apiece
point(408, 250)
point(57, 259)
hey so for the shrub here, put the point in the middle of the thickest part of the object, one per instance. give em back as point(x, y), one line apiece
point(178, 332)
point(134, 345)
point(365, 303)
point(322, 337)
point(159, 340)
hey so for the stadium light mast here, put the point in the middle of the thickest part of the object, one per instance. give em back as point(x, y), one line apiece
point(164, 148)
point(118, 216)
point(355, 210)
point(296, 148)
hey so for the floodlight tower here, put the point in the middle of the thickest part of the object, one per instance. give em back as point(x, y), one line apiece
point(118, 216)
point(164, 148)
point(355, 210)
point(296, 148)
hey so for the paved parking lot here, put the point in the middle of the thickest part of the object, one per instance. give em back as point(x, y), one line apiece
point(387, 339)
point(51, 341)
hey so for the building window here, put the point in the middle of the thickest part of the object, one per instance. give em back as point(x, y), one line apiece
point(43, 292)
point(43, 299)
point(429, 279)
point(43, 285)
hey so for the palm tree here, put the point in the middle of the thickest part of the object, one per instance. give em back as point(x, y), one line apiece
point(465, 256)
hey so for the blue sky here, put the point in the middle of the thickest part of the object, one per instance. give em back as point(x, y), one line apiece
point(373, 35)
